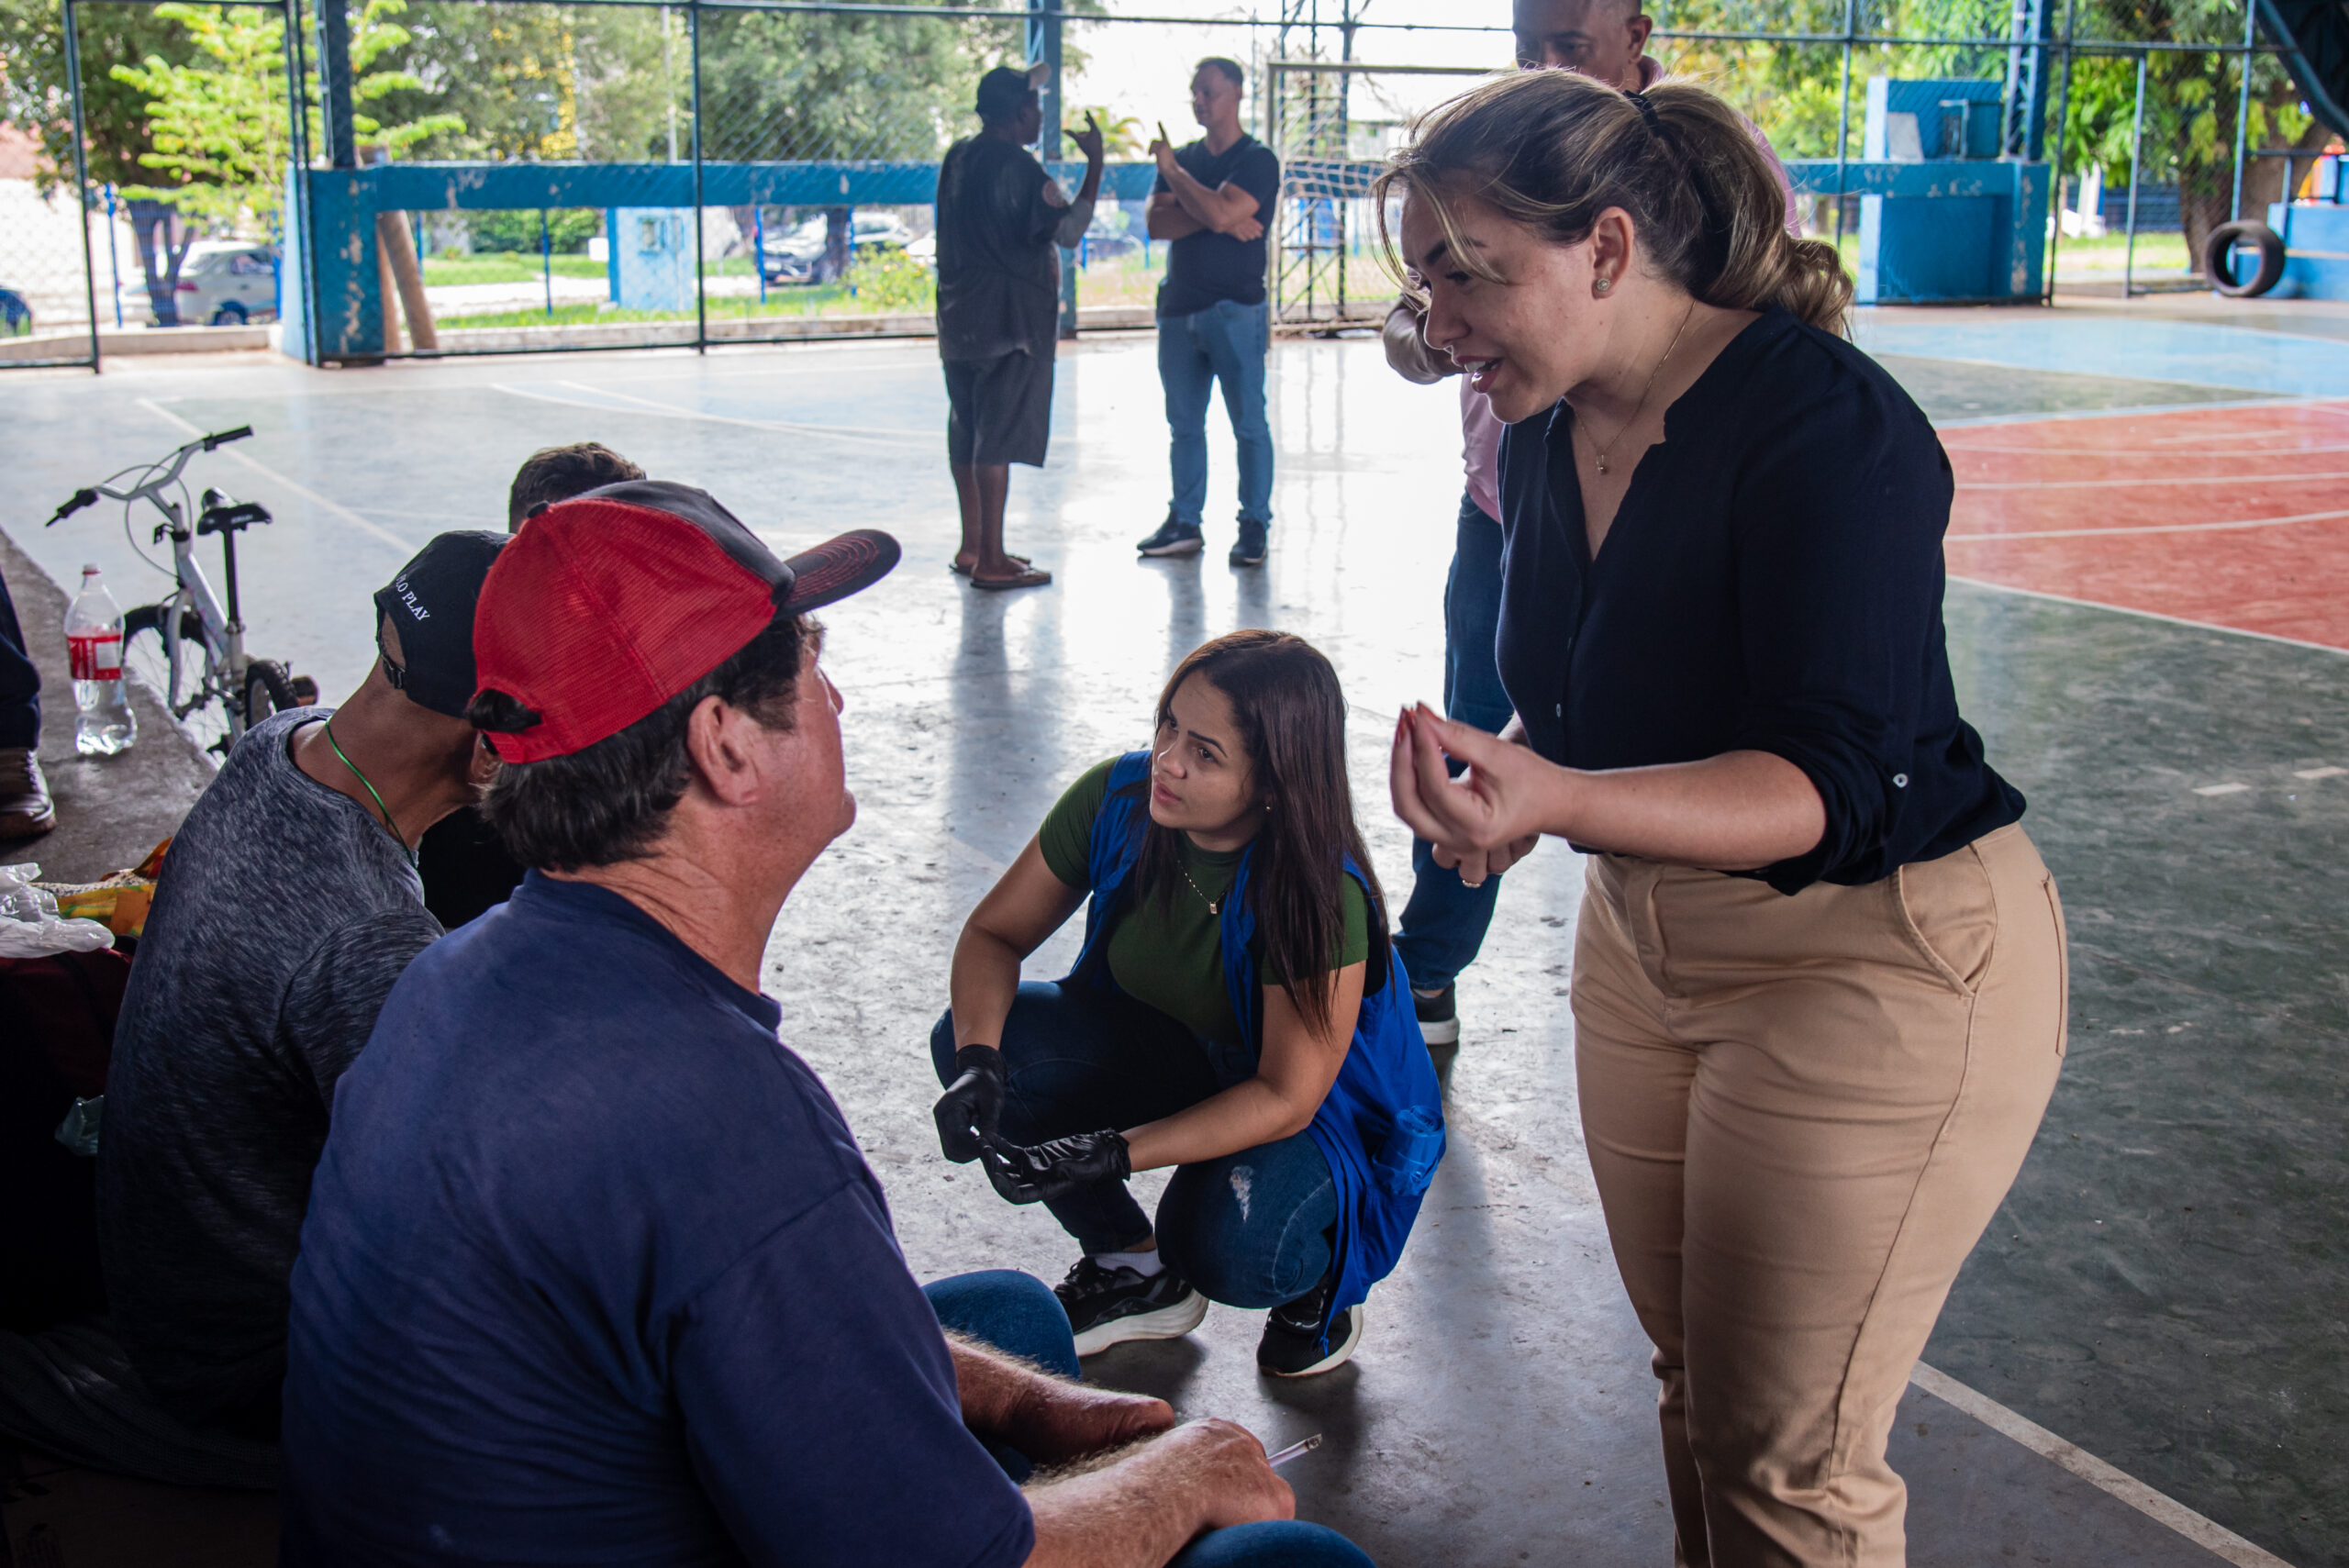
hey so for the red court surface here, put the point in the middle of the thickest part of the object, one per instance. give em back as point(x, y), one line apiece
point(2233, 516)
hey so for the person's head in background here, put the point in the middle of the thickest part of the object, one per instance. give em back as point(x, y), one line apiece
point(558, 474)
point(1602, 39)
point(1218, 87)
point(1010, 103)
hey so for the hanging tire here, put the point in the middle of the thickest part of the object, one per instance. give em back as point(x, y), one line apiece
point(2218, 258)
point(267, 691)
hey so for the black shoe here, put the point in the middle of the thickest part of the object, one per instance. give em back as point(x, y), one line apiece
point(1292, 1344)
point(1107, 1307)
point(1248, 550)
point(25, 810)
point(1174, 539)
point(1439, 1022)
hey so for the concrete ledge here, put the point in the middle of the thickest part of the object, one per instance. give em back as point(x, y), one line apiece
point(743, 330)
point(150, 341)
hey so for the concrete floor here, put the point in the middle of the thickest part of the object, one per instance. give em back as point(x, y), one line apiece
point(1501, 1410)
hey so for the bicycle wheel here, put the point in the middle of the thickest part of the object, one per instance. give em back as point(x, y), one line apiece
point(147, 656)
point(267, 691)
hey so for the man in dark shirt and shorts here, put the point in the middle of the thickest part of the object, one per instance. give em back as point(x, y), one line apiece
point(1214, 200)
point(287, 907)
point(594, 1271)
point(1000, 221)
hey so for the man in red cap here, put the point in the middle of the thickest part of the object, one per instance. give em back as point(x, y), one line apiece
point(594, 1270)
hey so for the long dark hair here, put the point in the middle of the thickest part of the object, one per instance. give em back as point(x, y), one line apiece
point(1292, 719)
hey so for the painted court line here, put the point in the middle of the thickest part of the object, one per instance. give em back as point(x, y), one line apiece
point(2212, 1536)
point(304, 491)
point(2143, 615)
point(2223, 789)
point(646, 407)
point(2314, 773)
point(2157, 529)
point(2237, 479)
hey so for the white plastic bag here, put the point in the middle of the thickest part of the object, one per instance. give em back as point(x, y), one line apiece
point(31, 925)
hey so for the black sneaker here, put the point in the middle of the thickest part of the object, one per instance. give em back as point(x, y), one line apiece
point(1174, 539)
point(1248, 550)
point(1292, 1344)
point(1106, 1306)
point(1439, 1021)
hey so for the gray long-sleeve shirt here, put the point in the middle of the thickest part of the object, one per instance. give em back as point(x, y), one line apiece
point(284, 914)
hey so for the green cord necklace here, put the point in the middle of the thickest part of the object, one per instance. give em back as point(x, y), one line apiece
point(386, 810)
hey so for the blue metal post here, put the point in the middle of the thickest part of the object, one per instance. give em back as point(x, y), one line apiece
point(114, 260)
point(334, 85)
point(759, 247)
point(81, 177)
point(546, 259)
point(1044, 44)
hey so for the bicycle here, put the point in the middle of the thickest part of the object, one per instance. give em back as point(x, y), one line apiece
point(206, 662)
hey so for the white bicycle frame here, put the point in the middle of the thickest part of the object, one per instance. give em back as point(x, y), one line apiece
point(222, 631)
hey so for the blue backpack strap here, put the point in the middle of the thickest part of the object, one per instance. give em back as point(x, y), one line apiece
point(1111, 854)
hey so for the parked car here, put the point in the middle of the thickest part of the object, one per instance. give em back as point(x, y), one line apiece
point(16, 314)
point(222, 283)
point(799, 256)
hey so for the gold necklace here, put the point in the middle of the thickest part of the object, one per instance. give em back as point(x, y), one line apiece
point(1215, 907)
point(1600, 452)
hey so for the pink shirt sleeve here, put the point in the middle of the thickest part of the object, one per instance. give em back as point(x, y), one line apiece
point(1480, 449)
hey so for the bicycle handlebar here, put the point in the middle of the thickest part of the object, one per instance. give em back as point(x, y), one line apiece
point(83, 497)
point(222, 437)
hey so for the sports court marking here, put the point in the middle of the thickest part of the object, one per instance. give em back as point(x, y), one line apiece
point(648, 408)
point(2202, 516)
point(334, 508)
point(2212, 1536)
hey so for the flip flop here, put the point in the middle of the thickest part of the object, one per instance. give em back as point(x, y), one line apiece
point(1034, 577)
point(960, 569)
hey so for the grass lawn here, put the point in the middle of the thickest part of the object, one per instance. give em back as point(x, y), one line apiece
point(827, 299)
point(504, 267)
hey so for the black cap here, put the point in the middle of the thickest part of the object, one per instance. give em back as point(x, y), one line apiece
point(1004, 90)
point(430, 601)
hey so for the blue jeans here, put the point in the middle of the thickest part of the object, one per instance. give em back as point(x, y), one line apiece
point(1018, 1315)
point(1225, 342)
point(1445, 923)
point(19, 682)
point(1248, 1229)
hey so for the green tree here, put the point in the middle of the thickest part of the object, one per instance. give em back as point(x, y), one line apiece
point(32, 83)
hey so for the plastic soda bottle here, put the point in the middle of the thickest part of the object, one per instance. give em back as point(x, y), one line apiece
point(104, 724)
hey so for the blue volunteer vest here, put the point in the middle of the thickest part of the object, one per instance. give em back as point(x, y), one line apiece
point(1386, 1078)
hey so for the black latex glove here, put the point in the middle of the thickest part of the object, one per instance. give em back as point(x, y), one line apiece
point(966, 1113)
point(1055, 1169)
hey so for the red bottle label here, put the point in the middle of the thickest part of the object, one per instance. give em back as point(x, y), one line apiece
point(96, 657)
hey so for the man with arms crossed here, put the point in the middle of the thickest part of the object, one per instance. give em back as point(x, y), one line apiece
point(1214, 199)
point(1445, 922)
point(593, 1270)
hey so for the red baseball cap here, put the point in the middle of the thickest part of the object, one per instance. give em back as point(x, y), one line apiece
point(606, 606)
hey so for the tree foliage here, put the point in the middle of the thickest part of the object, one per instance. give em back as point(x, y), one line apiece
point(33, 85)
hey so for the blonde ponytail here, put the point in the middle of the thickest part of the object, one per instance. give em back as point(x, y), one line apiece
point(1551, 151)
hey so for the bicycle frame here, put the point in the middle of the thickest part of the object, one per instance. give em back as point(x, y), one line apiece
point(222, 631)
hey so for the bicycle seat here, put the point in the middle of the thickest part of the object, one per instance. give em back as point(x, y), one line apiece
point(226, 514)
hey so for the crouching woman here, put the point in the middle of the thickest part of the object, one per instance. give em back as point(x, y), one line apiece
point(1236, 1013)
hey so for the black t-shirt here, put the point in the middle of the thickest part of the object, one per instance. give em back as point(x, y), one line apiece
point(466, 870)
point(998, 270)
point(1205, 267)
point(1773, 582)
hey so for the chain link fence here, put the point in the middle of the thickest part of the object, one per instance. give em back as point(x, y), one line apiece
point(392, 177)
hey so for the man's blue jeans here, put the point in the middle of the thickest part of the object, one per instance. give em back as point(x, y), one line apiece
point(1445, 923)
point(19, 682)
point(1225, 342)
point(1018, 1316)
point(1248, 1229)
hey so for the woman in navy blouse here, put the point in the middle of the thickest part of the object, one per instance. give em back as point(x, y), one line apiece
point(1819, 985)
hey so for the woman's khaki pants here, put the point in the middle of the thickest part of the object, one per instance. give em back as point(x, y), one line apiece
point(1801, 1113)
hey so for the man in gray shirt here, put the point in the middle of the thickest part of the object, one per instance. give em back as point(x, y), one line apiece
point(287, 906)
point(1000, 217)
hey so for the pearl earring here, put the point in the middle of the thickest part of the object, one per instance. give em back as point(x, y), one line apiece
point(1602, 285)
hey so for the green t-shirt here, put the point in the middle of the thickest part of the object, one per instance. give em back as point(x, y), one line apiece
point(1170, 956)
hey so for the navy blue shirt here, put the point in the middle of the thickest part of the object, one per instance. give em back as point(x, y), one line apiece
point(595, 1273)
point(1770, 582)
